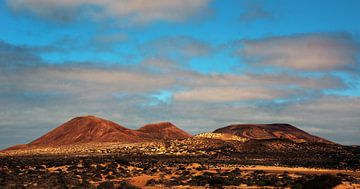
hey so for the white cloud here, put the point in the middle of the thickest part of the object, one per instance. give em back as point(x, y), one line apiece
point(228, 94)
point(89, 81)
point(134, 11)
point(83, 81)
point(311, 52)
point(37, 98)
point(151, 75)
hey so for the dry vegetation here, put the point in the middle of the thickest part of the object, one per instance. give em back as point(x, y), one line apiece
point(251, 152)
point(153, 171)
point(193, 162)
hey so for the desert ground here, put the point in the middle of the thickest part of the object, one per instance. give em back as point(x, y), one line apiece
point(161, 171)
point(89, 152)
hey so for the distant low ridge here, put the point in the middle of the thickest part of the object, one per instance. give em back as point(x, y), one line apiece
point(271, 131)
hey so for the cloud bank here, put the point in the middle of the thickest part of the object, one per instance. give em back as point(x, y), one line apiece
point(37, 96)
point(134, 11)
point(306, 52)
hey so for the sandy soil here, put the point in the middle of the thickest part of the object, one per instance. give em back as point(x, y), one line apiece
point(277, 169)
point(347, 185)
point(141, 180)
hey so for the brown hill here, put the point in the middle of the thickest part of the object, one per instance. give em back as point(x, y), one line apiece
point(271, 131)
point(87, 129)
point(162, 131)
point(91, 129)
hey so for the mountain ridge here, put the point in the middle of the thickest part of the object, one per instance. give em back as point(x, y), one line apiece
point(88, 129)
point(271, 131)
point(92, 129)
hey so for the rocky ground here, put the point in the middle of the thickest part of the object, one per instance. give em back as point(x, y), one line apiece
point(112, 171)
point(190, 162)
point(252, 152)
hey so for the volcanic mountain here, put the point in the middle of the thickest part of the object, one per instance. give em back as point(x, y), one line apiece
point(162, 131)
point(271, 131)
point(87, 129)
point(91, 129)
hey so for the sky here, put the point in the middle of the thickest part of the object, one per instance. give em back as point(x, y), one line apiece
point(200, 64)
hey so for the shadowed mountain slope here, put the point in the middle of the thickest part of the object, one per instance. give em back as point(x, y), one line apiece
point(271, 131)
point(162, 131)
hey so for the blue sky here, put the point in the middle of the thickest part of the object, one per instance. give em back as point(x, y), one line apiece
point(201, 64)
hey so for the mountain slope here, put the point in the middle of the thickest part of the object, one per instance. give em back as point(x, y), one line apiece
point(162, 131)
point(91, 129)
point(271, 131)
point(87, 129)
